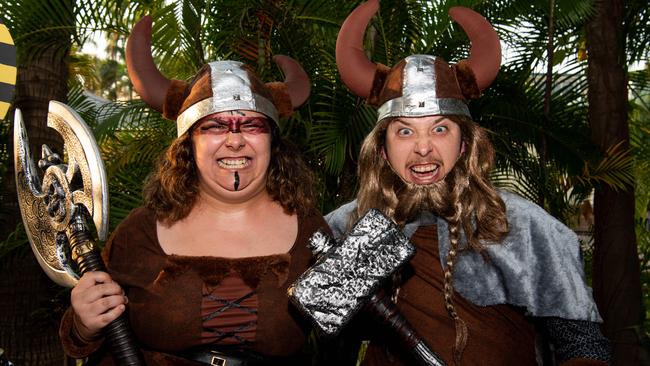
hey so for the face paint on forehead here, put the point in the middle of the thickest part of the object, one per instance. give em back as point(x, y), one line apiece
point(235, 124)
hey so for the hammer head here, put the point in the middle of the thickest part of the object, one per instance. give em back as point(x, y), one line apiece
point(333, 290)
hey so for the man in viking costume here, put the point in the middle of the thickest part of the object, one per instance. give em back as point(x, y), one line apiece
point(206, 262)
point(490, 266)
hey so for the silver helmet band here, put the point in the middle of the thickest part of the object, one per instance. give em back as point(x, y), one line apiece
point(231, 90)
point(419, 93)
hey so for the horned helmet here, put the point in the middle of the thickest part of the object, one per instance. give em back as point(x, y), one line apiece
point(218, 86)
point(419, 85)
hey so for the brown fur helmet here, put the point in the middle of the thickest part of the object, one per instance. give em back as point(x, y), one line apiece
point(219, 86)
point(419, 85)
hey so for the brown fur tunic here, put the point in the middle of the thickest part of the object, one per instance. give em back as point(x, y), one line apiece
point(165, 292)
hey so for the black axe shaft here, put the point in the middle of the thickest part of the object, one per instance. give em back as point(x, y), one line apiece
point(118, 333)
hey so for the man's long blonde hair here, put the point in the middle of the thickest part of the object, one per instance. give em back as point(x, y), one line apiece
point(465, 198)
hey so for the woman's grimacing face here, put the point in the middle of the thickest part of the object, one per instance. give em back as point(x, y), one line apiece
point(422, 150)
point(232, 151)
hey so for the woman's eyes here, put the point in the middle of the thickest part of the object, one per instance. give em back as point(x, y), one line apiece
point(252, 127)
point(223, 127)
point(215, 126)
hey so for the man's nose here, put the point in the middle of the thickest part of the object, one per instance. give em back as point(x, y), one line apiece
point(423, 146)
point(235, 140)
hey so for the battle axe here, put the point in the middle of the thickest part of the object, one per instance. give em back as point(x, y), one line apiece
point(55, 211)
point(347, 276)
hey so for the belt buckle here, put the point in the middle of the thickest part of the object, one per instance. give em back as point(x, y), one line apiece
point(216, 360)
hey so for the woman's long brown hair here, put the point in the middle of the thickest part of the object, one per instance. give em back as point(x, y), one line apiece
point(173, 188)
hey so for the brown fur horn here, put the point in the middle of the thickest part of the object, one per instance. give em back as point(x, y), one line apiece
point(145, 76)
point(296, 79)
point(485, 53)
point(356, 70)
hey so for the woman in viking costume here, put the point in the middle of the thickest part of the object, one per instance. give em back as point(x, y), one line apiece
point(489, 265)
point(206, 262)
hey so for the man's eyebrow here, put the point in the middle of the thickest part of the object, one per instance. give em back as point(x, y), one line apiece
point(402, 121)
point(440, 120)
point(434, 122)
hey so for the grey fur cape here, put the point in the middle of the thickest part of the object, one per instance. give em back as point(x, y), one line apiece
point(538, 265)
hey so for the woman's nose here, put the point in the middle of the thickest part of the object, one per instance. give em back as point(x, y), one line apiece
point(235, 140)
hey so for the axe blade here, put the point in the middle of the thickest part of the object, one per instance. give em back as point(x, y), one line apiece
point(335, 288)
point(82, 182)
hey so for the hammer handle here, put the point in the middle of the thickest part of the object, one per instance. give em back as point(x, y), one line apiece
point(385, 311)
point(118, 333)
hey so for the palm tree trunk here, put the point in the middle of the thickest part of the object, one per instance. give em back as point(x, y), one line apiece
point(616, 273)
point(39, 81)
point(28, 329)
point(25, 291)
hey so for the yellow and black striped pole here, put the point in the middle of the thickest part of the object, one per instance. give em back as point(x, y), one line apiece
point(7, 69)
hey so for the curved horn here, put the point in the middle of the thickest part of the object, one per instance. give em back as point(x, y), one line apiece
point(356, 70)
point(145, 76)
point(296, 79)
point(485, 52)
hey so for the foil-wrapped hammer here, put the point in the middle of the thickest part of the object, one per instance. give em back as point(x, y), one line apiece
point(55, 212)
point(347, 276)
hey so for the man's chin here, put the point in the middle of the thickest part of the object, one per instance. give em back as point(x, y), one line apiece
point(414, 198)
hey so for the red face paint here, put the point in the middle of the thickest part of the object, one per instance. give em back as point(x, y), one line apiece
point(235, 124)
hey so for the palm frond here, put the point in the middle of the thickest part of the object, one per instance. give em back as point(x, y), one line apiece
point(614, 170)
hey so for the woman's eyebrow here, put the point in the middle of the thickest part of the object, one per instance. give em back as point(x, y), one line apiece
point(241, 120)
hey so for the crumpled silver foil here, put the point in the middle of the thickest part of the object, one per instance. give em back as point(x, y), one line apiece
point(333, 290)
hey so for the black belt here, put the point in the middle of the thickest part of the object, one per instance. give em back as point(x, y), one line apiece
point(218, 357)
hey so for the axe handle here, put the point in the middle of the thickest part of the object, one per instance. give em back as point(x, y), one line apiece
point(118, 333)
point(385, 311)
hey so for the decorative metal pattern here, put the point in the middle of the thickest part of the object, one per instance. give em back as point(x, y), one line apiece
point(334, 289)
point(47, 207)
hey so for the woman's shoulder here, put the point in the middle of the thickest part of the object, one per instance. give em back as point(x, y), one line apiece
point(141, 214)
point(137, 228)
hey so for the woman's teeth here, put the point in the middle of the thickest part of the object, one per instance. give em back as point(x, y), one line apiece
point(237, 163)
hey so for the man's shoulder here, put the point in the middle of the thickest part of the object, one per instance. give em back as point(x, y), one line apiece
point(514, 200)
point(339, 218)
point(519, 208)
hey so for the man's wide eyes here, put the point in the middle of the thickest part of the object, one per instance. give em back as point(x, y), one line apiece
point(404, 131)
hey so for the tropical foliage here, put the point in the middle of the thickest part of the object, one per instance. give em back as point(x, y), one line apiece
point(536, 111)
point(640, 143)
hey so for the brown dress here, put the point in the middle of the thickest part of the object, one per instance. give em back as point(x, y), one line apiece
point(498, 335)
point(179, 302)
